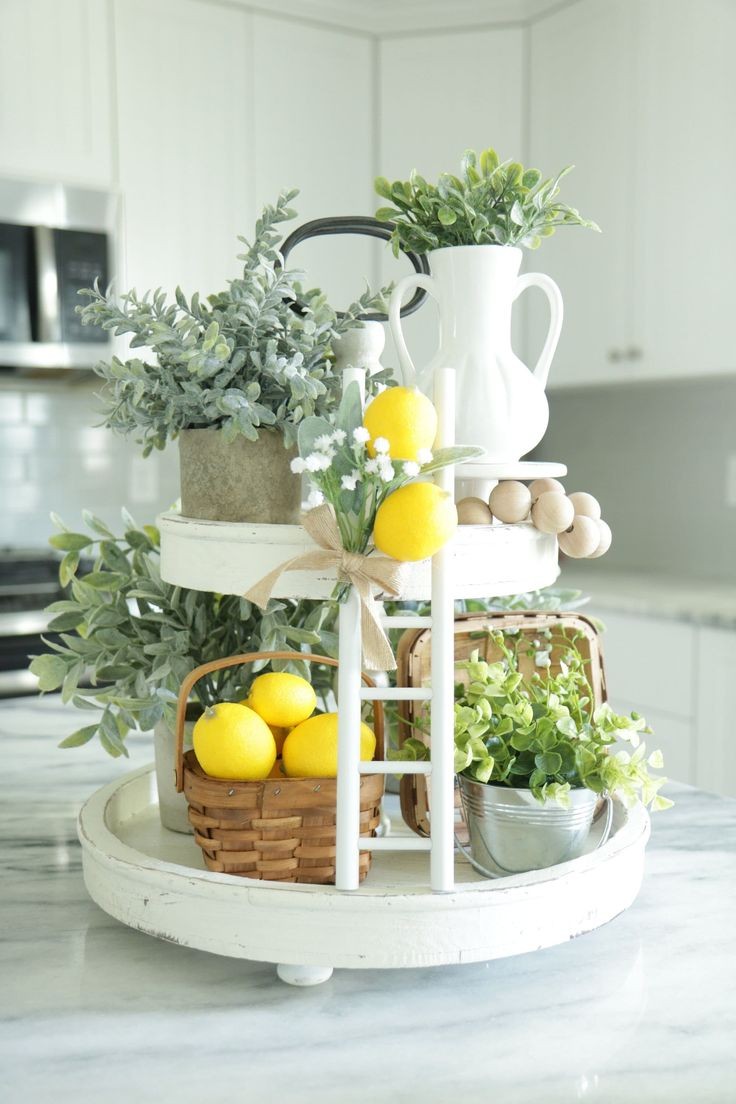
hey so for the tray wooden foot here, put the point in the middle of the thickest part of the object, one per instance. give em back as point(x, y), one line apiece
point(304, 975)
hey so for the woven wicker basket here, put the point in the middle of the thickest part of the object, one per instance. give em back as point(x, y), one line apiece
point(280, 829)
point(471, 631)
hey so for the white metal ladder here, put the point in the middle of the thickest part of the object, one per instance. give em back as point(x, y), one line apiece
point(351, 695)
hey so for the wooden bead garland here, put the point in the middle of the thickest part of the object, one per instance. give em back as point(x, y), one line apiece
point(473, 511)
point(510, 501)
point(576, 518)
point(553, 512)
point(606, 538)
point(585, 504)
point(581, 539)
point(540, 486)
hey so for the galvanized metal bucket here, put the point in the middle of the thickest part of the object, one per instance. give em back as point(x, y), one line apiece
point(511, 832)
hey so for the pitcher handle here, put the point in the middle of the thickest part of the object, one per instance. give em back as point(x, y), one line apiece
point(415, 280)
point(554, 297)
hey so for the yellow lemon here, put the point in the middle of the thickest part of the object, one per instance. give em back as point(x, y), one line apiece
point(405, 418)
point(281, 699)
point(279, 735)
point(310, 749)
point(415, 521)
point(231, 741)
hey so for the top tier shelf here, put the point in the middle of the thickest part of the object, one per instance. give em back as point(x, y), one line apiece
point(229, 558)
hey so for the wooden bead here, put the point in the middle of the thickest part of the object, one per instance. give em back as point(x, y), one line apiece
point(539, 486)
point(585, 504)
point(473, 511)
point(606, 538)
point(553, 512)
point(582, 538)
point(510, 501)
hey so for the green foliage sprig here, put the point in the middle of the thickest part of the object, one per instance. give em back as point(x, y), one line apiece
point(492, 203)
point(135, 637)
point(544, 733)
point(242, 361)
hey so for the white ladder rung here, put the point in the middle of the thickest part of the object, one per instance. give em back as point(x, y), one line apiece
point(406, 621)
point(395, 693)
point(395, 843)
point(398, 766)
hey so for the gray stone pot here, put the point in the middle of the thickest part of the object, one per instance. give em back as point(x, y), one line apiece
point(172, 806)
point(238, 480)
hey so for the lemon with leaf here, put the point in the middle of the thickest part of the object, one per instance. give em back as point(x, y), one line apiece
point(415, 521)
point(405, 418)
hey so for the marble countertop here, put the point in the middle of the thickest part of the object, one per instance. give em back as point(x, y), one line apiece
point(642, 1009)
point(682, 598)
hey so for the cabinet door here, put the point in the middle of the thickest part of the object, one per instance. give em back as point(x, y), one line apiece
point(641, 655)
point(440, 95)
point(314, 131)
point(674, 736)
point(715, 741)
point(185, 150)
point(583, 113)
point(685, 220)
point(55, 91)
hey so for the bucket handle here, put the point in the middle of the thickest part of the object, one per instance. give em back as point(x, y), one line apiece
point(506, 873)
point(251, 657)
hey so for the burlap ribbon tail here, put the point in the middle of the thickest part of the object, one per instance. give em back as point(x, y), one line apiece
point(361, 571)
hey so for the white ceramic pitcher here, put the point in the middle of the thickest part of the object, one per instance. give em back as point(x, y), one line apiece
point(501, 405)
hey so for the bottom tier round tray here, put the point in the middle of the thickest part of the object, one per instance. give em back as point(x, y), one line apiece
point(154, 880)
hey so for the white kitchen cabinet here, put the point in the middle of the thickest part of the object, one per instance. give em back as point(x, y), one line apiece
point(438, 96)
point(313, 128)
point(582, 112)
point(55, 91)
point(641, 653)
point(684, 226)
point(639, 95)
point(651, 668)
point(716, 745)
point(185, 141)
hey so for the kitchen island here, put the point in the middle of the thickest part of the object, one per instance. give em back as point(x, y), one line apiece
point(641, 1009)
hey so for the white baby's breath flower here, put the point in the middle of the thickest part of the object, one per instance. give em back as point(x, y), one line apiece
point(381, 445)
point(317, 461)
point(349, 482)
point(361, 435)
point(323, 443)
point(541, 659)
point(339, 436)
point(411, 469)
point(386, 472)
point(372, 466)
point(316, 498)
point(424, 456)
point(298, 465)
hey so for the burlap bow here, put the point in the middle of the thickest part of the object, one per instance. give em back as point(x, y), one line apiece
point(363, 572)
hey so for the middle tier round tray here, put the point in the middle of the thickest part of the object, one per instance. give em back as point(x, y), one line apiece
point(229, 558)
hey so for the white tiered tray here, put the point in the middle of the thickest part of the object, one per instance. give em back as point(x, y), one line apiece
point(154, 880)
point(229, 558)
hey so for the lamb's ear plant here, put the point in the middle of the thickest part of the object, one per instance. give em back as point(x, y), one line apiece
point(129, 638)
point(492, 202)
point(241, 361)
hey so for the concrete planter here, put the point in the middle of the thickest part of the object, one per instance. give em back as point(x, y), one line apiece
point(238, 480)
point(172, 806)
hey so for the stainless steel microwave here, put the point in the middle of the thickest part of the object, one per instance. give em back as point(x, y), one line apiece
point(54, 240)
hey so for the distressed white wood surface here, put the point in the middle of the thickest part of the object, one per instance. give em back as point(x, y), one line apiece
point(229, 558)
point(153, 880)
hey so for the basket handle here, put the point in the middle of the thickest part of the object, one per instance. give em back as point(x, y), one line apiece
point(250, 657)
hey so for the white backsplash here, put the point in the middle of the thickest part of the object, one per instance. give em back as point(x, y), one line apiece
point(55, 456)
